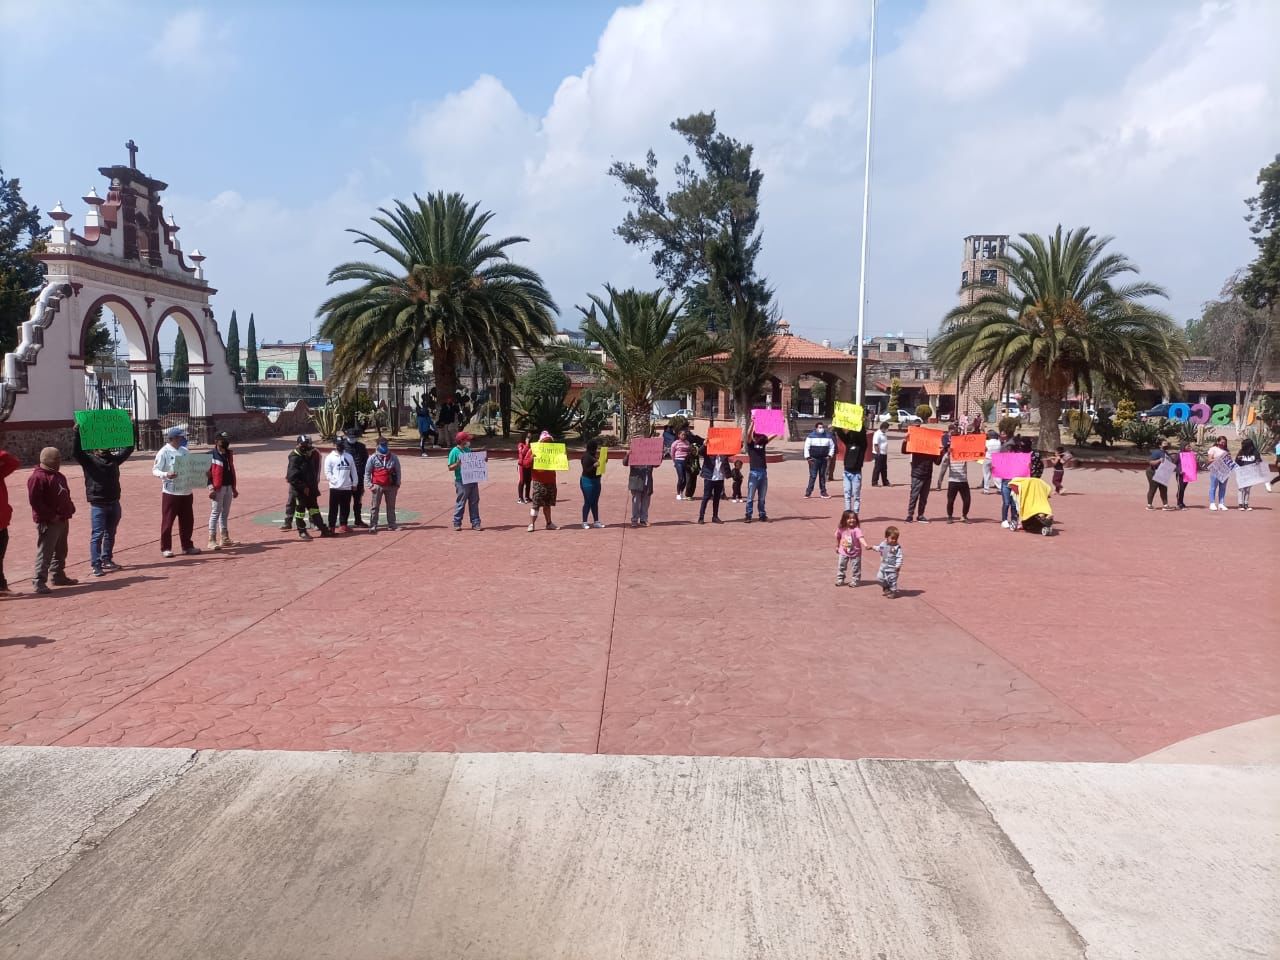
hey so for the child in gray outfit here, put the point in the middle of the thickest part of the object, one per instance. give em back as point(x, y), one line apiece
point(890, 562)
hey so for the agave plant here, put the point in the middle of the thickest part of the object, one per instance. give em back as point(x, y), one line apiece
point(1143, 434)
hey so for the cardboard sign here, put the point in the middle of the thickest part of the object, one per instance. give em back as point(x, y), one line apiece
point(1221, 468)
point(104, 429)
point(726, 440)
point(924, 440)
point(551, 456)
point(192, 472)
point(1189, 468)
point(475, 466)
point(1252, 474)
point(771, 423)
point(1164, 473)
point(967, 447)
point(848, 416)
point(1010, 466)
point(645, 452)
point(602, 463)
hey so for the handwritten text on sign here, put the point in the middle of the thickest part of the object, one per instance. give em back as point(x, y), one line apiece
point(1251, 474)
point(475, 467)
point(924, 440)
point(192, 472)
point(771, 423)
point(725, 440)
point(1220, 469)
point(967, 447)
point(104, 429)
point(848, 416)
point(550, 456)
point(645, 452)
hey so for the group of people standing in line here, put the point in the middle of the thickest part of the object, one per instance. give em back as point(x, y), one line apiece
point(1247, 454)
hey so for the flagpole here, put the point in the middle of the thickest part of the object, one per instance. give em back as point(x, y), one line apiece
point(866, 207)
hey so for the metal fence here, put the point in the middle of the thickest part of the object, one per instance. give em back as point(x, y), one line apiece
point(107, 394)
point(271, 398)
point(173, 399)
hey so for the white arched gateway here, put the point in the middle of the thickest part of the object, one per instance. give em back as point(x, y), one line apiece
point(127, 259)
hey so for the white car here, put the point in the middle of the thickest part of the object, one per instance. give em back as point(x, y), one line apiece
point(904, 418)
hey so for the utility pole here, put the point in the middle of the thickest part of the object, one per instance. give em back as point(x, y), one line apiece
point(866, 205)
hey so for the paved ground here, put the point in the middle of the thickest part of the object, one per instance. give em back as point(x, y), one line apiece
point(1128, 632)
point(110, 854)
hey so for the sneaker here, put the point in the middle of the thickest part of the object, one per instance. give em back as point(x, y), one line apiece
point(855, 583)
point(716, 520)
point(477, 528)
point(373, 529)
point(644, 523)
point(1004, 524)
point(826, 496)
point(393, 529)
point(964, 519)
point(700, 520)
point(42, 588)
point(1150, 507)
point(763, 518)
point(228, 542)
point(951, 519)
point(747, 518)
point(808, 495)
point(586, 526)
point(531, 527)
point(424, 456)
point(303, 535)
point(190, 551)
point(213, 544)
point(679, 496)
point(922, 519)
point(457, 528)
point(98, 572)
point(634, 524)
point(360, 523)
point(598, 525)
point(1268, 485)
point(166, 553)
point(908, 520)
point(1213, 506)
point(552, 526)
point(110, 566)
point(345, 528)
point(839, 583)
point(64, 581)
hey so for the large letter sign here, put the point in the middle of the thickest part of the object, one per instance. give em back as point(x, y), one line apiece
point(1219, 415)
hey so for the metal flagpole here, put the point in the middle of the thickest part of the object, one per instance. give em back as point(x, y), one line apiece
point(866, 205)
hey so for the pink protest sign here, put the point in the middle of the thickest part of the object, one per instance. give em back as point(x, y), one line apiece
point(645, 452)
point(769, 422)
point(1189, 469)
point(1010, 466)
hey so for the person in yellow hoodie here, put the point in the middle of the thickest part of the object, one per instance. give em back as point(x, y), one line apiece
point(1032, 495)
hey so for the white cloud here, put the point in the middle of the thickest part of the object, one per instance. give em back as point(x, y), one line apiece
point(191, 42)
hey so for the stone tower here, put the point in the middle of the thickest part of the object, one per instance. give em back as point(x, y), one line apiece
point(980, 270)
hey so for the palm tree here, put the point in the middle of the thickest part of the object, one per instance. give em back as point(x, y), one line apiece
point(746, 347)
point(1063, 322)
point(450, 284)
point(648, 353)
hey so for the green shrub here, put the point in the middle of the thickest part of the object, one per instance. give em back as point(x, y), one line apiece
point(539, 401)
point(1126, 413)
point(1262, 438)
point(677, 424)
point(1081, 427)
point(924, 411)
point(1009, 425)
point(592, 411)
point(1143, 434)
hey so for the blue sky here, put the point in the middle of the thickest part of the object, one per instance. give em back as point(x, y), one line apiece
point(279, 125)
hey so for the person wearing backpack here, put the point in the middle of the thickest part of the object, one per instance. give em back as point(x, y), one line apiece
point(382, 477)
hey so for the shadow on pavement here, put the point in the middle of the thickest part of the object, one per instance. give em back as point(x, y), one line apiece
point(28, 642)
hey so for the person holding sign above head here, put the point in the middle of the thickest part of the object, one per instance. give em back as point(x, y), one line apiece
point(757, 473)
point(640, 486)
point(101, 469)
point(855, 455)
point(222, 490)
point(176, 498)
point(590, 484)
point(543, 489)
point(466, 496)
point(340, 474)
point(52, 510)
point(925, 447)
point(818, 447)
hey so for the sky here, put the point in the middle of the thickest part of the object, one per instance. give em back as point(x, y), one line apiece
point(280, 126)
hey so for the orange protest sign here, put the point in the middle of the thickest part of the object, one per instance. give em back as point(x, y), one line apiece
point(727, 440)
point(968, 446)
point(924, 440)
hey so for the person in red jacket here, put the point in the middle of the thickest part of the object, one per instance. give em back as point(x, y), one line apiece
point(222, 490)
point(524, 469)
point(52, 510)
point(8, 464)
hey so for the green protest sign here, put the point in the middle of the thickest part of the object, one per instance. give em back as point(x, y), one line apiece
point(104, 429)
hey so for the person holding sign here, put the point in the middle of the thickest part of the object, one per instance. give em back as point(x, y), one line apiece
point(1218, 478)
point(640, 485)
point(176, 499)
point(855, 455)
point(925, 447)
point(758, 472)
point(818, 446)
point(1248, 455)
point(466, 496)
point(101, 469)
point(1160, 469)
point(590, 485)
point(543, 488)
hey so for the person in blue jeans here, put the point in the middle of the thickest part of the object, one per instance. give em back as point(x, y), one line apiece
point(102, 490)
point(855, 455)
point(757, 473)
point(589, 484)
point(466, 495)
point(818, 448)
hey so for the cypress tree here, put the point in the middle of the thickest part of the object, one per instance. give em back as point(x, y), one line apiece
point(251, 360)
point(233, 347)
point(304, 368)
point(181, 362)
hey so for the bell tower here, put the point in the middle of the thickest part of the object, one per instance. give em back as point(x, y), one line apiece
point(980, 269)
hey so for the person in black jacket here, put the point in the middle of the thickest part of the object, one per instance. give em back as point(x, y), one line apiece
point(855, 455)
point(922, 465)
point(360, 454)
point(102, 490)
point(303, 475)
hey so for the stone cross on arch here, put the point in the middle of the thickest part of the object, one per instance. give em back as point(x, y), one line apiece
point(133, 153)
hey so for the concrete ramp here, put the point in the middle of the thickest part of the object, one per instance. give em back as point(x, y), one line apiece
point(131, 853)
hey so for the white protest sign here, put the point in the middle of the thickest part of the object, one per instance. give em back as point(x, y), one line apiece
point(1164, 473)
point(475, 467)
point(192, 472)
point(1221, 468)
point(1252, 474)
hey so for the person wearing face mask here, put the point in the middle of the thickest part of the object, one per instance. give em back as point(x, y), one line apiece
point(818, 447)
point(176, 498)
point(360, 456)
point(382, 477)
point(340, 474)
point(101, 469)
point(222, 490)
point(303, 475)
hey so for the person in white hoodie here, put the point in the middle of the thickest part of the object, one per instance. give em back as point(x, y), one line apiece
point(340, 474)
point(176, 498)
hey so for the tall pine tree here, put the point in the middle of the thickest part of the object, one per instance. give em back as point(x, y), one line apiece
point(304, 368)
point(233, 347)
point(181, 361)
point(251, 359)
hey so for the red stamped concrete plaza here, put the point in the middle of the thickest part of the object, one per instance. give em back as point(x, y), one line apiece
point(1129, 631)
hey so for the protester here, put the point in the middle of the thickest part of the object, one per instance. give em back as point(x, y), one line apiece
point(1248, 454)
point(994, 444)
point(447, 421)
point(1033, 494)
point(958, 485)
point(360, 457)
point(715, 468)
point(589, 484)
point(303, 474)
point(922, 465)
point(1182, 477)
point(855, 455)
point(524, 469)
point(693, 464)
point(849, 547)
point(1008, 504)
point(176, 503)
point(890, 562)
point(1277, 456)
point(736, 474)
point(1062, 458)
point(382, 477)
point(340, 475)
point(640, 486)
point(466, 496)
point(944, 465)
point(52, 510)
point(679, 453)
point(426, 430)
point(101, 469)
point(1217, 488)
point(758, 472)
point(222, 490)
point(8, 464)
point(1154, 460)
point(880, 455)
point(544, 491)
point(818, 447)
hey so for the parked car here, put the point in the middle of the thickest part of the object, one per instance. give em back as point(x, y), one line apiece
point(684, 412)
point(904, 418)
point(1159, 412)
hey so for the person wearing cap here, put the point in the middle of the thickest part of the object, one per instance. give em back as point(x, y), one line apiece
point(303, 474)
point(543, 491)
point(382, 477)
point(101, 470)
point(360, 456)
point(340, 474)
point(176, 499)
point(52, 510)
point(466, 495)
point(222, 490)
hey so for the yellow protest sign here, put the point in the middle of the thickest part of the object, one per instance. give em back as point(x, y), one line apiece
point(848, 416)
point(549, 456)
point(603, 463)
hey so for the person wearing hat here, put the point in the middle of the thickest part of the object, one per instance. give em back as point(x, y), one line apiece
point(544, 491)
point(382, 476)
point(360, 456)
point(340, 474)
point(101, 470)
point(466, 495)
point(303, 474)
point(176, 499)
point(222, 490)
point(52, 510)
